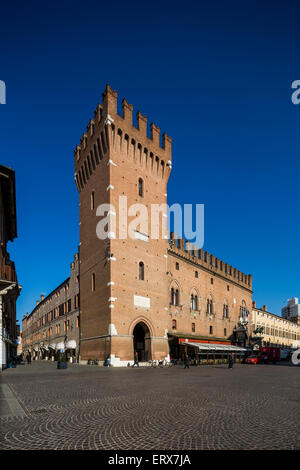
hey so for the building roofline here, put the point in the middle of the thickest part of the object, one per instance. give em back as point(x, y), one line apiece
point(207, 269)
point(274, 315)
point(49, 295)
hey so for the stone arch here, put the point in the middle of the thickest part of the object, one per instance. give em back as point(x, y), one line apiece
point(139, 320)
point(142, 334)
point(195, 290)
point(174, 283)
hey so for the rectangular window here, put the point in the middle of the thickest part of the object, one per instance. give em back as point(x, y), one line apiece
point(177, 266)
point(69, 305)
point(210, 330)
point(78, 322)
point(196, 274)
point(93, 200)
point(93, 282)
point(193, 327)
point(225, 332)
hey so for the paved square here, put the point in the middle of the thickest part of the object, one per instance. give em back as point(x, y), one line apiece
point(88, 407)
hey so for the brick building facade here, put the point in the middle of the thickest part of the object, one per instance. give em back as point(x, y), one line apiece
point(139, 293)
point(54, 323)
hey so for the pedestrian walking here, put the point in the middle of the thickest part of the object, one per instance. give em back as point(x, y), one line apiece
point(186, 362)
point(265, 359)
point(173, 360)
point(107, 361)
point(136, 359)
point(230, 362)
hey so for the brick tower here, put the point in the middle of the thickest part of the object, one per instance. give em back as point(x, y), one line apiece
point(123, 281)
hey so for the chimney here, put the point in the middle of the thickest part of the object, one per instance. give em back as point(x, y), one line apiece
point(264, 308)
point(42, 297)
point(37, 302)
point(254, 304)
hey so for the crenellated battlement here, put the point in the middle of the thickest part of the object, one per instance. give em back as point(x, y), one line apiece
point(110, 131)
point(108, 109)
point(184, 249)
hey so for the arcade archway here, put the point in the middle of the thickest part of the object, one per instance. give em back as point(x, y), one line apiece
point(142, 341)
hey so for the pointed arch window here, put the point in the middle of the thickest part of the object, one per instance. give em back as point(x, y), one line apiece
point(225, 311)
point(209, 306)
point(174, 297)
point(177, 297)
point(243, 310)
point(194, 302)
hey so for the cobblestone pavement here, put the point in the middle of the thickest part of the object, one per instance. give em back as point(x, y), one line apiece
point(90, 407)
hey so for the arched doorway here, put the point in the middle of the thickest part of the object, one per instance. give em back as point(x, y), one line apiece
point(142, 341)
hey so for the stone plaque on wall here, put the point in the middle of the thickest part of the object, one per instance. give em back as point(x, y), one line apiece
point(141, 301)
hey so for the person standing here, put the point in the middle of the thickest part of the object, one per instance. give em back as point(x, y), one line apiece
point(29, 357)
point(199, 359)
point(107, 361)
point(230, 362)
point(186, 362)
point(136, 359)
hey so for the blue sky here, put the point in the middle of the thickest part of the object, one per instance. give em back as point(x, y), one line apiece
point(216, 76)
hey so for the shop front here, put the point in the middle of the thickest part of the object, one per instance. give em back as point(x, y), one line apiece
point(71, 350)
point(45, 352)
point(52, 347)
point(59, 349)
point(203, 351)
point(35, 353)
